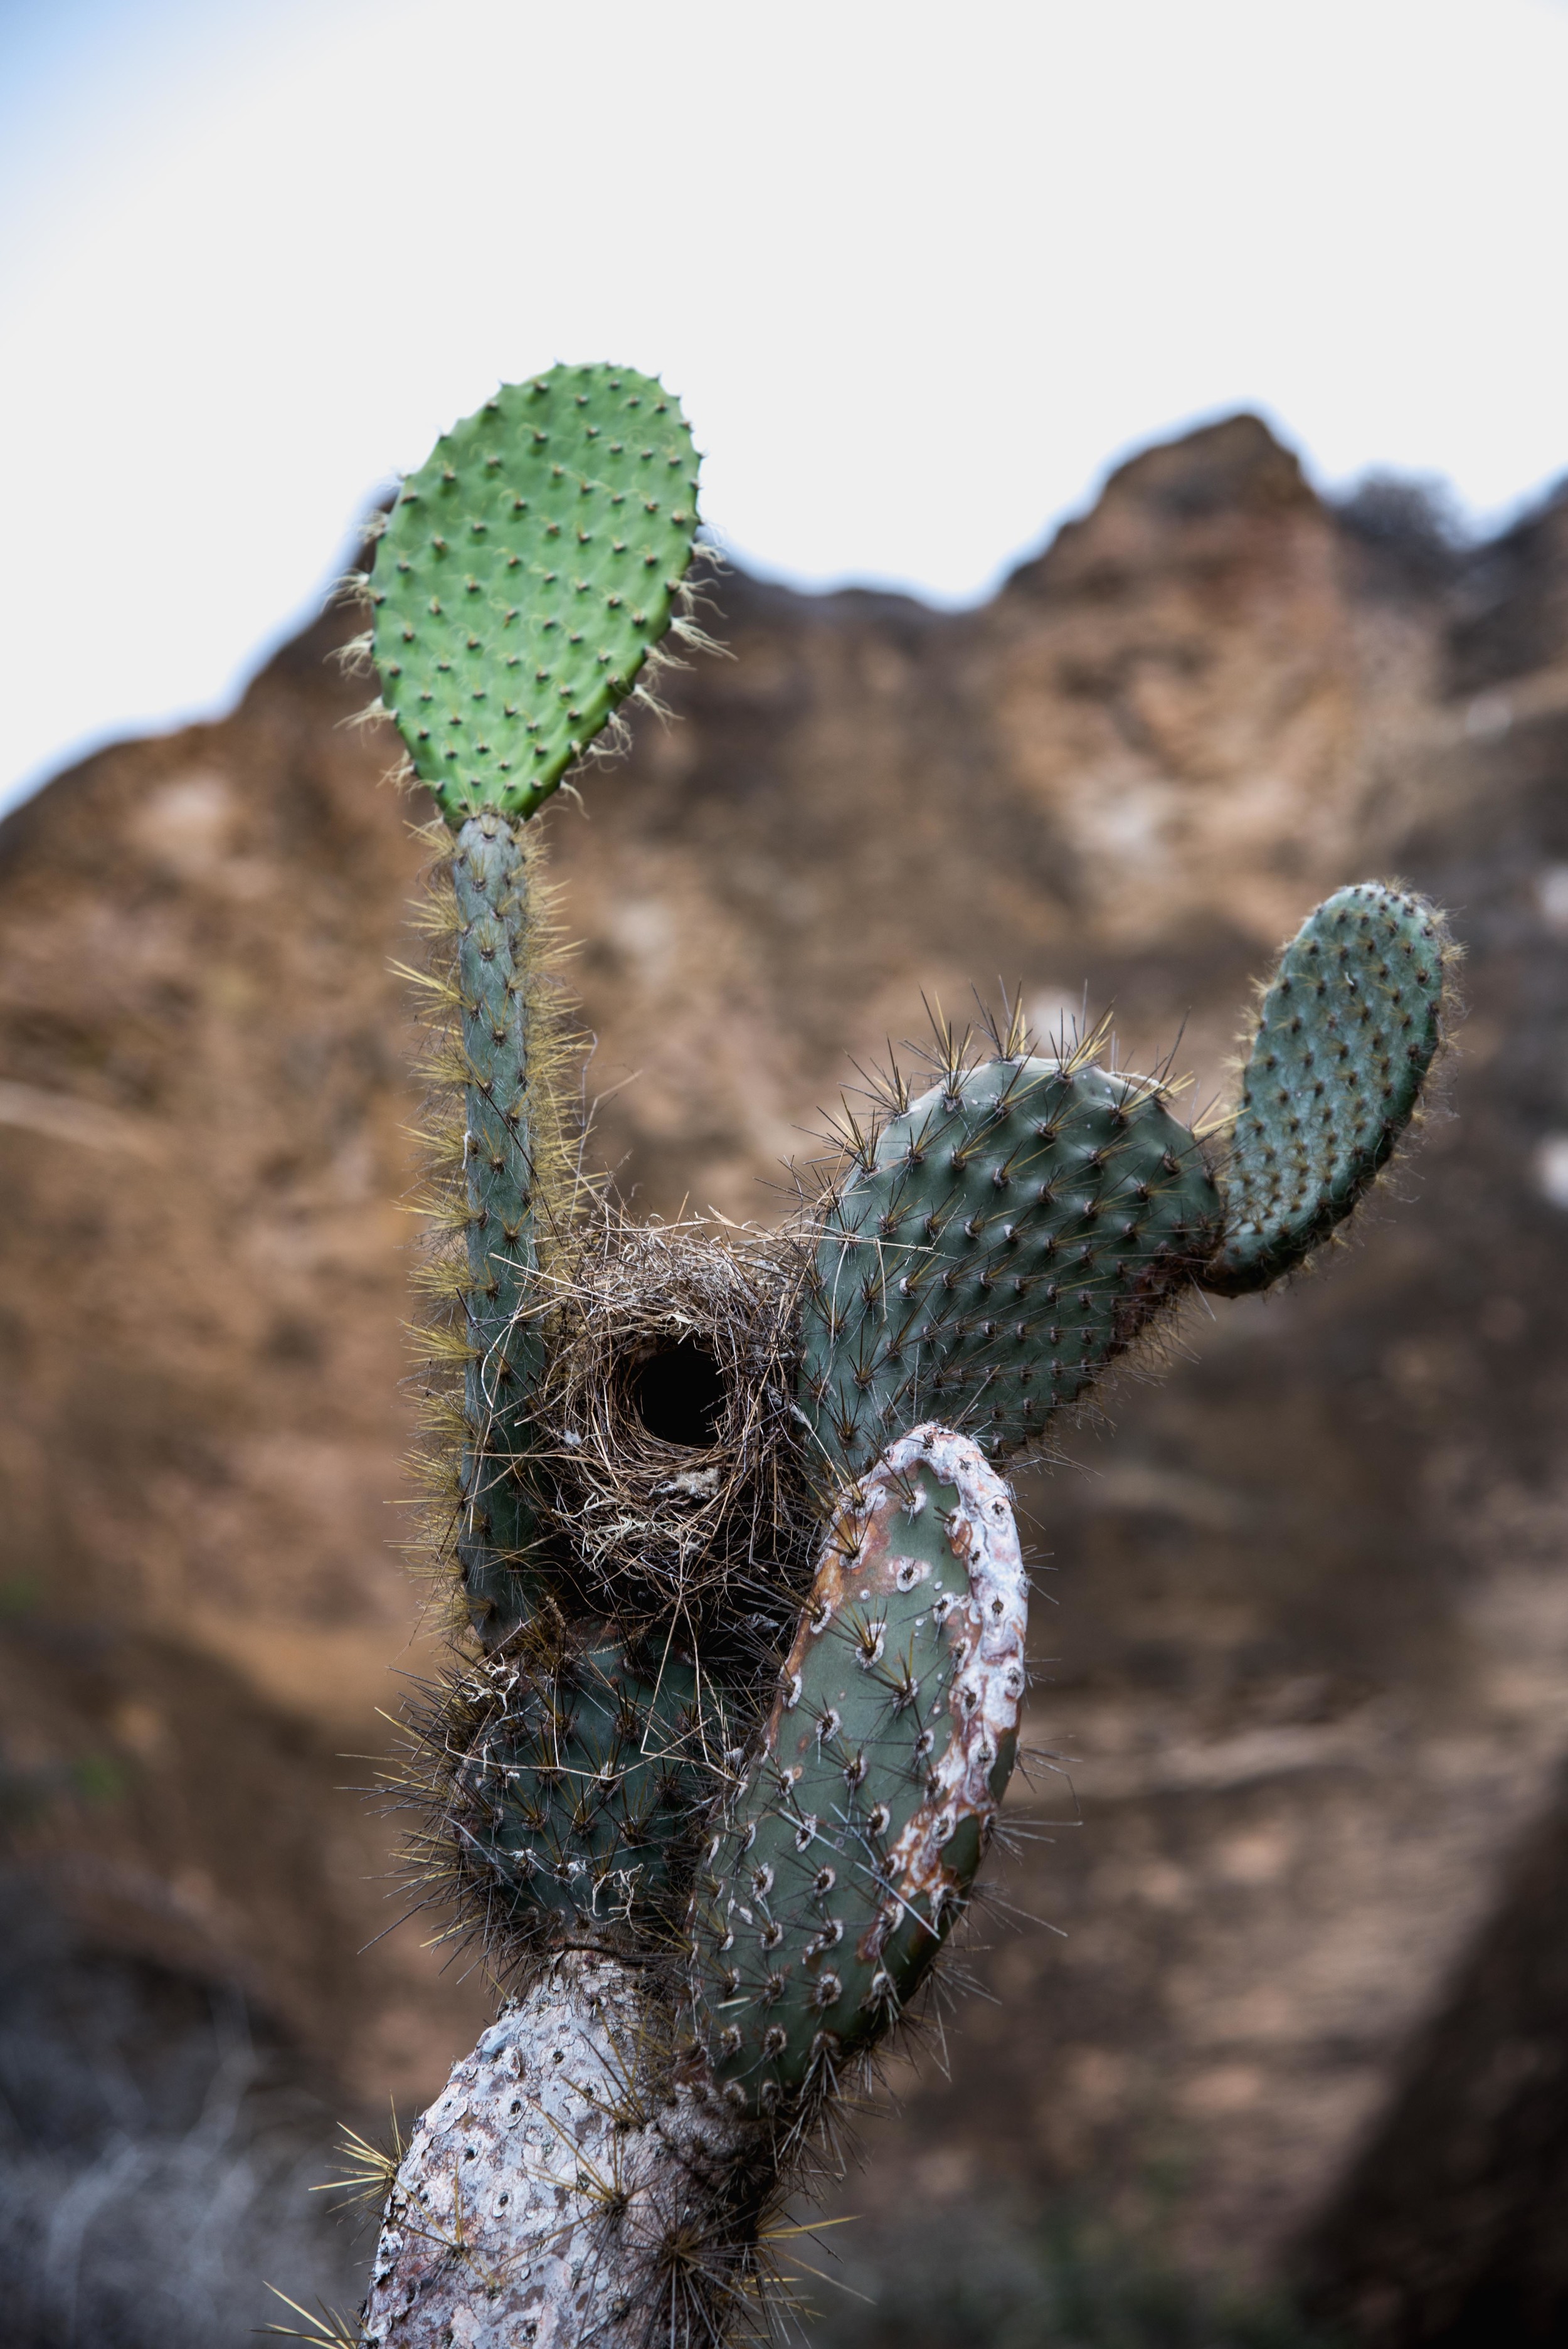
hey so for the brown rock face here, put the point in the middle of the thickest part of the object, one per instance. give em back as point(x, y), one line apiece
point(1448, 2224)
point(1313, 1621)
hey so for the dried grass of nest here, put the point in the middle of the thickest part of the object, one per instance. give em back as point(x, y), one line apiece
point(661, 1528)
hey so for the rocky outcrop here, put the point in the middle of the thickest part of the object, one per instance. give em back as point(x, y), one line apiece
point(1448, 2226)
point(1313, 1620)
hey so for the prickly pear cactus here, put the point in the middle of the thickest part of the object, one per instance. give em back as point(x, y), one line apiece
point(740, 1609)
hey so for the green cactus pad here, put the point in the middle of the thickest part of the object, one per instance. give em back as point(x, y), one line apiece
point(525, 572)
point(1350, 1022)
point(575, 1804)
point(848, 1853)
point(1006, 1235)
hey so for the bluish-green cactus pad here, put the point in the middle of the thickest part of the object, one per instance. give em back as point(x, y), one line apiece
point(1350, 1022)
point(848, 1854)
point(1012, 1232)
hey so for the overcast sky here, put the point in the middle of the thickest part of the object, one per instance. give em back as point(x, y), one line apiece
point(920, 274)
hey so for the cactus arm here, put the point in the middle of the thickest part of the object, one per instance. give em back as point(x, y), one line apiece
point(525, 577)
point(850, 1853)
point(1350, 1023)
point(1008, 1234)
point(497, 1534)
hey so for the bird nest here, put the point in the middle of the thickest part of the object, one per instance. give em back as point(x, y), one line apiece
point(669, 1447)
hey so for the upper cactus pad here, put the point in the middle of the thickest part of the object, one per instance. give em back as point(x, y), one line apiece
point(525, 572)
point(1008, 1234)
point(1350, 1023)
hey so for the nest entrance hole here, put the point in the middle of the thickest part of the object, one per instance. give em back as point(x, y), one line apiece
point(677, 1393)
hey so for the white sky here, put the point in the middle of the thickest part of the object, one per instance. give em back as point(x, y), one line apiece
point(920, 274)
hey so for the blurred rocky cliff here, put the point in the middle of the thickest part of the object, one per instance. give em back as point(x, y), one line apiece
point(1304, 1642)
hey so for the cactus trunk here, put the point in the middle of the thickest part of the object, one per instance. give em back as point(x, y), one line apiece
point(567, 2186)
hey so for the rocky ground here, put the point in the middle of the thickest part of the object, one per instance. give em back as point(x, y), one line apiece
point(1281, 2000)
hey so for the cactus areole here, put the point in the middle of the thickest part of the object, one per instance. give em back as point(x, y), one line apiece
point(738, 1607)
